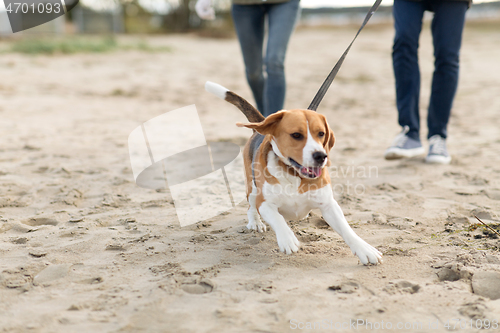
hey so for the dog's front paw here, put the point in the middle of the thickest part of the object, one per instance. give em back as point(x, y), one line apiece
point(257, 226)
point(366, 253)
point(287, 242)
point(254, 223)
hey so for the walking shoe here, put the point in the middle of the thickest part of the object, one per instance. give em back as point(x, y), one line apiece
point(438, 153)
point(404, 146)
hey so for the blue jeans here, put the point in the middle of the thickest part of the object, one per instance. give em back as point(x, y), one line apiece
point(249, 20)
point(447, 26)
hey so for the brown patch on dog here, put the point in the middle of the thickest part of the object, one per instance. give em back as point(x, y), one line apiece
point(247, 159)
point(248, 109)
point(260, 171)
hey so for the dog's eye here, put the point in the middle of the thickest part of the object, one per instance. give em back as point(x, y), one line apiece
point(321, 134)
point(297, 136)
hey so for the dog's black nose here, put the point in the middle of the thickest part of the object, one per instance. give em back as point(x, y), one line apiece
point(319, 157)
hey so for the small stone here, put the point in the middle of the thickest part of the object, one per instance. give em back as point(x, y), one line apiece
point(487, 284)
point(37, 253)
point(76, 219)
point(448, 274)
point(115, 247)
point(20, 240)
point(466, 191)
point(453, 272)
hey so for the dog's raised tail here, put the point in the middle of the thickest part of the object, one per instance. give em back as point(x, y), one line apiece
point(252, 114)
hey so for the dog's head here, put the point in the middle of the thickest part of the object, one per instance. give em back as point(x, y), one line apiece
point(301, 139)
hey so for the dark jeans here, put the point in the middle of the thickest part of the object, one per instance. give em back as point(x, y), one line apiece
point(447, 26)
point(249, 20)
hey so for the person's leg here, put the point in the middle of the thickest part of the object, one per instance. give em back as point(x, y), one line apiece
point(447, 26)
point(408, 25)
point(282, 20)
point(249, 21)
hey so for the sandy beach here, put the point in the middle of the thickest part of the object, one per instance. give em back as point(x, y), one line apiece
point(84, 249)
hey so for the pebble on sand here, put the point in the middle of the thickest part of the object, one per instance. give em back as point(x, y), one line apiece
point(487, 284)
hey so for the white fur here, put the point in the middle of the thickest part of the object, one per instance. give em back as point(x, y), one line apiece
point(284, 201)
point(333, 215)
point(216, 89)
point(310, 148)
point(285, 195)
point(287, 241)
point(254, 222)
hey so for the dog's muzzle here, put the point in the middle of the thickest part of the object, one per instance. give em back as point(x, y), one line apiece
point(307, 172)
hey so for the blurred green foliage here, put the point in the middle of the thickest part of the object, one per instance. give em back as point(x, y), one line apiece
point(72, 45)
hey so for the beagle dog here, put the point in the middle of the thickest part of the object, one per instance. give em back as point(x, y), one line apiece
point(286, 175)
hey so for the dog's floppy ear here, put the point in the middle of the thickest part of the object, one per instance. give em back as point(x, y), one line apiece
point(329, 137)
point(329, 140)
point(267, 126)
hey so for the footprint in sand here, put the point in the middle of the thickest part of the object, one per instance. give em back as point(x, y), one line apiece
point(401, 287)
point(51, 273)
point(198, 287)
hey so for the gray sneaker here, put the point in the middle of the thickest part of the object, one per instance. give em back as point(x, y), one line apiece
point(404, 146)
point(438, 154)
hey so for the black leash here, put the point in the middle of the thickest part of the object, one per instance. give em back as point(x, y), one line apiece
point(329, 79)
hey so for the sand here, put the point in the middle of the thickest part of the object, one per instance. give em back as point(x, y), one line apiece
point(84, 249)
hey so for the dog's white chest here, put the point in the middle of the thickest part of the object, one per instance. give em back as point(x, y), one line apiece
point(285, 195)
point(295, 208)
point(291, 204)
